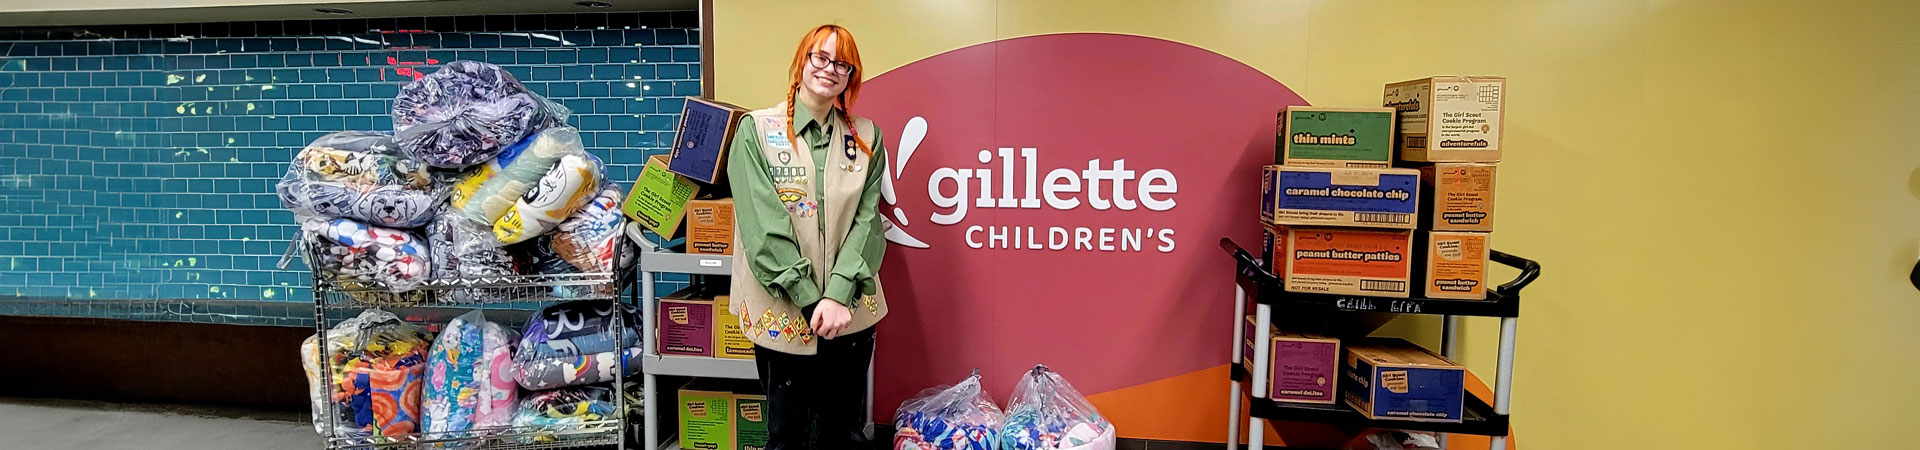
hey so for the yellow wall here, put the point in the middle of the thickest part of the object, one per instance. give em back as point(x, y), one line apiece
point(1724, 194)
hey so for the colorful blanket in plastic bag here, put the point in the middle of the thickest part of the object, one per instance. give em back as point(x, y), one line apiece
point(563, 411)
point(594, 238)
point(958, 417)
point(569, 185)
point(464, 113)
point(1046, 413)
point(377, 364)
point(573, 344)
point(462, 249)
point(360, 175)
point(488, 192)
point(463, 390)
point(361, 256)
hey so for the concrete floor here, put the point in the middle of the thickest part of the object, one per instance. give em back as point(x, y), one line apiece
point(68, 424)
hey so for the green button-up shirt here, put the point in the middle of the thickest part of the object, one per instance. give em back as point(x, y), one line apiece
point(766, 230)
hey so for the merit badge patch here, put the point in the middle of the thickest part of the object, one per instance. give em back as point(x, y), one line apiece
point(790, 195)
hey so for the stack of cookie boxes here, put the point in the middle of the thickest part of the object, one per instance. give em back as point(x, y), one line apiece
point(1394, 201)
point(688, 187)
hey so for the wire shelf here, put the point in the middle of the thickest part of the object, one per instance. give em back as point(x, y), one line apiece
point(344, 293)
point(584, 434)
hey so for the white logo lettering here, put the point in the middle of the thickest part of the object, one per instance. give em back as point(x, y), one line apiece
point(1102, 186)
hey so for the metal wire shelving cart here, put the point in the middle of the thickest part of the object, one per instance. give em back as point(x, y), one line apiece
point(509, 300)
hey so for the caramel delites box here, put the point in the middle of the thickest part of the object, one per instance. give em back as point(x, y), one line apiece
point(1449, 119)
point(1393, 379)
point(1453, 264)
point(1348, 261)
point(1318, 196)
point(686, 324)
point(1320, 136)
point(1301, 367)
point(1457, 196)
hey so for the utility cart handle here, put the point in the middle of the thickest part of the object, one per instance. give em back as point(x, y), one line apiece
point(1249, 266)
point(1529, 270)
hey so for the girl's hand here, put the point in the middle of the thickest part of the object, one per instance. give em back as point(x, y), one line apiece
point(830, 318)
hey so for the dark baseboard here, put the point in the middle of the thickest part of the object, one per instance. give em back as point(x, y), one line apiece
point(153, 362)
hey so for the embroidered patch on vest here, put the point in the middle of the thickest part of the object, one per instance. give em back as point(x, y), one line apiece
point(852, 148)
point(776, 133)
point(788, 174)
point(786, 157)
point(791, 196)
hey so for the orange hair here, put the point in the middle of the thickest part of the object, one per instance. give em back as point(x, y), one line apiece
point(848, 52)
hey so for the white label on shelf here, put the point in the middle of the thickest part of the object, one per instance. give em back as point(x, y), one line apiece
point(710, 263)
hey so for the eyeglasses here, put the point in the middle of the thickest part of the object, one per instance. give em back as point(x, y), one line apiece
point(819, 61)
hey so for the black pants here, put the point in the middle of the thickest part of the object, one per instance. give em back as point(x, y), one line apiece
point(828, 389)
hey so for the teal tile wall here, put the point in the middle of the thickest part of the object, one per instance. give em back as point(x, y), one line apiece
point(137, 163)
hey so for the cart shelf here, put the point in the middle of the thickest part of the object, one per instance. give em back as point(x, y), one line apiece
point(1264, 287)
point(1479, 416)
point(663, 262)
point(343, 293)
point(698, 366)
point(586, 434)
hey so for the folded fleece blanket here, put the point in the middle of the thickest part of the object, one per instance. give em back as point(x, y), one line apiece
point(573, 343)
point(464, 391)
point(487, 192)
point(563, 190)
point(466, 112)
point(563, 411)
point(593, 238)
point(360, 175)
point(378, 365)
point(462, 249)
point(366, 256)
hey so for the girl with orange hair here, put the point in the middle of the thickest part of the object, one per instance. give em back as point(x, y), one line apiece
point(806, 180)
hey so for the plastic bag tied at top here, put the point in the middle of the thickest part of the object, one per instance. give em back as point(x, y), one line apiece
point(958, 417)
point(1047, 413)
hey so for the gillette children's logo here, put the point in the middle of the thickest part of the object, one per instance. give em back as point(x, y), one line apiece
point(1022, 178)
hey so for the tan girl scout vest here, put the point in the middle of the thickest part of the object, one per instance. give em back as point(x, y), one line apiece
point(820, 224)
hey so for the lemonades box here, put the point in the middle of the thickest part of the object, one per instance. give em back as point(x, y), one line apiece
point(710, 227)
point(1453, 264)
point(1301, 367)
point(1318, 196)
point(1347, 261)
point(1393, 379)
point(729, 341)
point(1449, 119)
point(1320, 136)
point(1457, 196)
point(706, 420)
point(659, 198)
point(686, 324)
point(750, 422)
point(700, 142)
